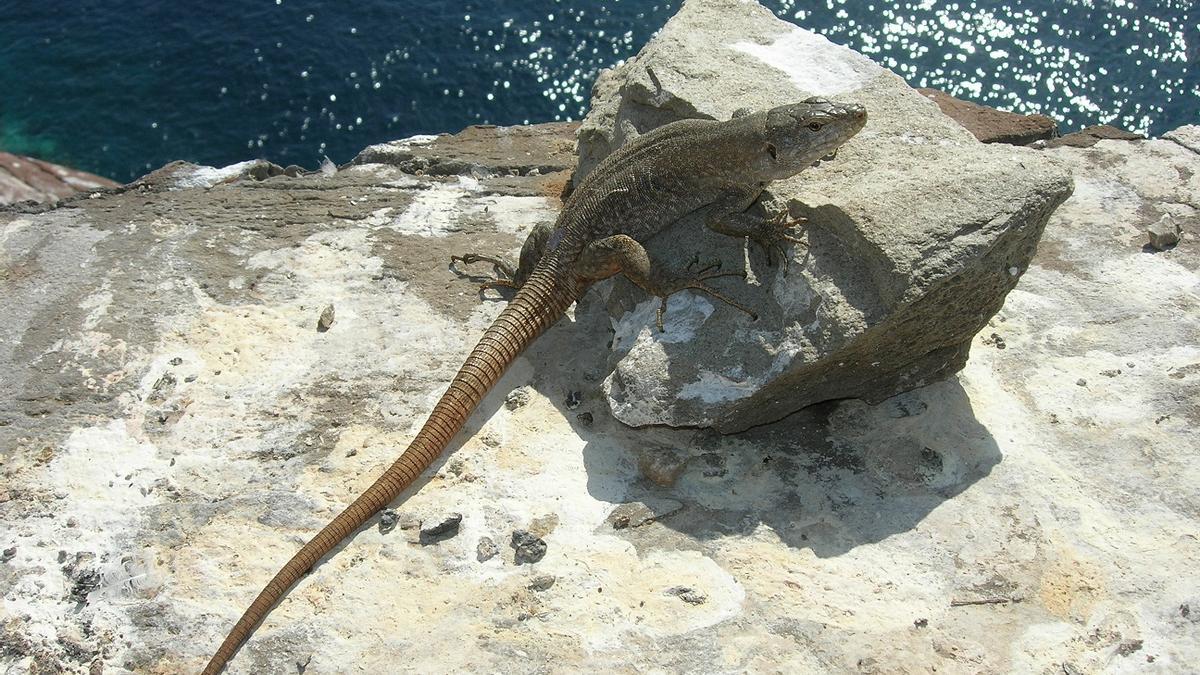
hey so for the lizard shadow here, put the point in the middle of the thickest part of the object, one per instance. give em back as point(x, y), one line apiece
point(829, 478)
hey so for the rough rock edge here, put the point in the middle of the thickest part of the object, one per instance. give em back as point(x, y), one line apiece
point(991, 125)
point(27, 179)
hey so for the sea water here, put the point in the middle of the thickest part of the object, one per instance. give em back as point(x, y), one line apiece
point(122, 88)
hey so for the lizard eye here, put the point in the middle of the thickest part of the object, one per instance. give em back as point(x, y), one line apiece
point(815, 126)
point(771, 151)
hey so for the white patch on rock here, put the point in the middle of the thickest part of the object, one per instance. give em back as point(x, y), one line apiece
point(813, 63)
point(97, 305)
point(434, 212)
point(208, 176)
point(514, 214)
point(715, 388)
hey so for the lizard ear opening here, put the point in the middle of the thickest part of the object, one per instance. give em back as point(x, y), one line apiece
point(771, 151)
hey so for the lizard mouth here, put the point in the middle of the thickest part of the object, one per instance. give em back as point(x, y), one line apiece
point(826, 158)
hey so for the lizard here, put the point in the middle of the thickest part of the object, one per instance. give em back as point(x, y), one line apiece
point(646, 185)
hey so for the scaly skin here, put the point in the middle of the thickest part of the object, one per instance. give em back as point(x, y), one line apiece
point(640, 189)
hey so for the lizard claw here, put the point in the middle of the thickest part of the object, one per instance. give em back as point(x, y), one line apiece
point(697, 283)
point(505, 276)
point(776, 230)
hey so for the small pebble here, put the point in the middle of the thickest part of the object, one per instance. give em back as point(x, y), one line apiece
point(1081, 382)
point(585, 418)
point(574, 399)
point(447, 528)
point(486, 549)
point(527, 547)
point(541, 582)
point(325, 321)
point(387, 520)
point(1163, 234)
point(8, 554)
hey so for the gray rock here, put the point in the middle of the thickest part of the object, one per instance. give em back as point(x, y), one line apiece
point(325, 321)
point(1188, 136)
point(542, 582)
point(527, 547)
point(1163, 233)
point(388, 519)
point(444, 529)
point(916, 233)
point(486, 549)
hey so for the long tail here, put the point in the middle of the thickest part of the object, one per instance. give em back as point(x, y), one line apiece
point(538, 305)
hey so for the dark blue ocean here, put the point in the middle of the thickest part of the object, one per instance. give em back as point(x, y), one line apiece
point(121, 88)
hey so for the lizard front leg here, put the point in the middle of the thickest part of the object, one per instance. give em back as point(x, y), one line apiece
point(728, 215)
point(506, 275)
point(623, 254)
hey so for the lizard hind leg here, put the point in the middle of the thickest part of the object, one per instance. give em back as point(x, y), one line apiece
point(506, 275)
point(623, 254)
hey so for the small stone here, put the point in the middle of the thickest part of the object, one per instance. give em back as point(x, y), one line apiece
point(661, 466)
point(387, 520)
point(8, 554)
point(921, 623)
point(486, 549)
point(325, 321)
point(527, 547)
point(687, 594)
point(574, 399)
point(1081, 382)
point(1111, 372)
point(176, 361)
point(637, 514)
point(447, 528)
point(585, 418)
point(1128, 647)
point(517, 398)
point(542, 582)
point(1163, 234)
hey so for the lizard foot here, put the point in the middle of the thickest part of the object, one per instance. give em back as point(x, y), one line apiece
point(775, 231)
point(697, 283)
point(504, 272)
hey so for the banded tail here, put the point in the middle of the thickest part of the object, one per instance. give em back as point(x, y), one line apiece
point(537, 305)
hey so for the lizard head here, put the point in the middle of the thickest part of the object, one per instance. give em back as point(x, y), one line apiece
point(798, 135)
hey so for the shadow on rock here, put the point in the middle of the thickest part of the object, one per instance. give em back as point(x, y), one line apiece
point(830, 478)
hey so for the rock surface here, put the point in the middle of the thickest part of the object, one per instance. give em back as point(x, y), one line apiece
point(915, 233)
point(989, 125)
point(28, 179)
point(173, 425)
point(1090, 136)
